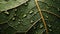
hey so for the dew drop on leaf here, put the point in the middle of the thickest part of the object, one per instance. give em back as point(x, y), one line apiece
point(46, 19)
point(10, 23)
point(6, 12)
point(49, 25)
point(13, 18)
point(58, 9)
point(47, 7)
point(41, 26)
point(19, 22)
point(31, 12)
point(25, 4)
point(50, 29)
point(15, 9)
point(32, 21)
point(24, 15)
point(35, 12)
point(46, 16)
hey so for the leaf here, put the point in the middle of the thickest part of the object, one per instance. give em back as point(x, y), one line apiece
point(54, 12)
point(25, 19)
point(6, 29)
point(52, 23)
point(3, 26)
point(27, 16)
point(54, 3)
point(6, 16)
point(38, 28)
point(9, 4)
point(42, 17)
point(28, 13)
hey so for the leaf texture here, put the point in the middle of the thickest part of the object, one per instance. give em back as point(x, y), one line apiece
point(27, 20)
point(6, 16)
point(9, 4)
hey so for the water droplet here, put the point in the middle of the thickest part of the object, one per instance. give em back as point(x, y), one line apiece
point(58, 9)
point(31, 12)
point(32, 21)
point(26, 4)
point(46, 19)
point(6, 12)
point(49, 25)
point(14, 14)
point(46, 16)
point(47, 7)
point(15, 9)
point(13, 18)
point(24, 15)
point(19, 22)
point(35, 12)
point(50, 29)
point(41, 25)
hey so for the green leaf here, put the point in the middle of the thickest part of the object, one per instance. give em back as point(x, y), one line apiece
point(53, 23)
point(6, 16)
point(9, 4)
point(54, 3)
point(6, 29)
point(25, 19)
point(3, 26)
point(27, 15)
point(38, 28)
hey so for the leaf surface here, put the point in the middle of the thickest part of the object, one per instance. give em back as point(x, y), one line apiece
point(9, 4)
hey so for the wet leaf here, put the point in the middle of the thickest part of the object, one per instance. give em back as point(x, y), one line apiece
point(27, 16)
point(9, 4)
point(6, 16)
point(6, 29)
